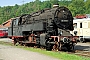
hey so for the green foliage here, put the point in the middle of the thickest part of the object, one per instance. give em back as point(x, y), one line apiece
point(75, 6)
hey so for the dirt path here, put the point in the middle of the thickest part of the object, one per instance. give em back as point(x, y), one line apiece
point(12, 53)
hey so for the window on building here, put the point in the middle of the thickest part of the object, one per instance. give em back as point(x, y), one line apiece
point(75, 25)
point(80, 25)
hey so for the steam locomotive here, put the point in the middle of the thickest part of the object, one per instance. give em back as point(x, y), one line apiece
point(49, 28)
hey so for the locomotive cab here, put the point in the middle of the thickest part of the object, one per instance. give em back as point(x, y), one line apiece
point(14, 27)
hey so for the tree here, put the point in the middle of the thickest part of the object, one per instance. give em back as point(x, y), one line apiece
point(52, 2)
point(45, 4)
point(87, 6)
point(77, 7)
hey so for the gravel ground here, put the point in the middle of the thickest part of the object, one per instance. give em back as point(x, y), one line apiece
point(12, 53)
point(5, 39)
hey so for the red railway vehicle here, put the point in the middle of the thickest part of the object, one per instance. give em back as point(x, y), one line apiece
point(3, 33)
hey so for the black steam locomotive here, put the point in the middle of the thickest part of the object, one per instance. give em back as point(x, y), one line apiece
point(49, 28)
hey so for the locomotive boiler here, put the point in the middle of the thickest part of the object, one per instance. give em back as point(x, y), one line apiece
point(49, 28)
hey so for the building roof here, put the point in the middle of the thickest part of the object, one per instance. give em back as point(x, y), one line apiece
point(81, 20)
point(6, 24)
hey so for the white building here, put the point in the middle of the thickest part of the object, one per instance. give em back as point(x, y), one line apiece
point(81, 28)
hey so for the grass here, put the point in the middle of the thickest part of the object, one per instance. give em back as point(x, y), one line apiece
point(59, 55)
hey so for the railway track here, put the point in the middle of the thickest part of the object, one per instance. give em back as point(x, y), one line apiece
point(82, 49)
point(83, 53)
